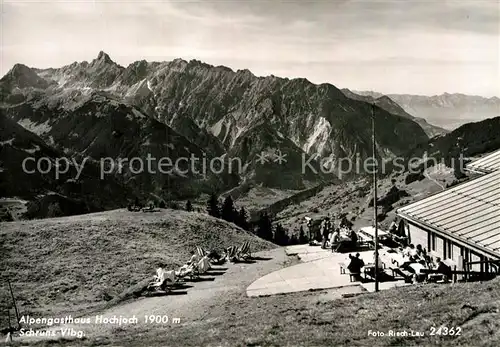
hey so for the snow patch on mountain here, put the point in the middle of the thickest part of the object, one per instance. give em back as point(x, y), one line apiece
point(37, 128)
point(8, 142)
point(239, 131)
point(140, 89)
point(217, 128)
point(33, 150)
point(138, 114)
point(319, 138)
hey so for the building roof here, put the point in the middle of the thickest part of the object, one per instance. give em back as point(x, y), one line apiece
point(468, 212)
point(486, 164)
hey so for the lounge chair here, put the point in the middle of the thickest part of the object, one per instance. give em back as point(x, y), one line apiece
point(164, 280)
point(219, 261)
point(184, 271)
point(199, 268)
point(231, 254)
point(211, 257)
point(236, 254)
point(148, 209)
point(243, 251)
point(201, 252)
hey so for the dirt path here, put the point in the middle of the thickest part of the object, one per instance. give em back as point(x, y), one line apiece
point(193, 305)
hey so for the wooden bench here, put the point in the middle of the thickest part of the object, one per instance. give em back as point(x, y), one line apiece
point(366, 244)
point(343, 267)
point(405, 274)
point(353, 275)
point(435, 278)
point(396, 270)
point(369, 270)
point(344, 271)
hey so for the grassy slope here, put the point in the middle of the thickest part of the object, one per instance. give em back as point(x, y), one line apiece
point(321, 319)
point(64, 265)
point(308, 320)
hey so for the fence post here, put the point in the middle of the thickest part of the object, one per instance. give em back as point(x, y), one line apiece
point(9, 334)
point(15, 306)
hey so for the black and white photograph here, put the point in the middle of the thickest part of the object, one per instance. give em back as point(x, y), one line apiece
point(205, 173)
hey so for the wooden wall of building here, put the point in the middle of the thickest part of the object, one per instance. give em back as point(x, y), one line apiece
point(445, 248)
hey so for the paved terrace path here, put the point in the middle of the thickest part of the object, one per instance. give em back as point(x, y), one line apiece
point(319, 269)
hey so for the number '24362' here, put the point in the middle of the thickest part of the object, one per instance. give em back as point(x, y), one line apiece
point(445, 331)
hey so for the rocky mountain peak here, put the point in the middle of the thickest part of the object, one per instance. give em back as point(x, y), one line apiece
point(245, 72)
point(387, 100)
point(104, 57)
point(20, 69)
point(23, 76)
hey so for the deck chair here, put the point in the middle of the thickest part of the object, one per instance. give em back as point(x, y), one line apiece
point(213, 256)
point(199, 268)
point(184, 271)
point(231, 254)
point(244, 251)
point(162, 279)
point(201, 252)
point(148, 209)
point(220, 261)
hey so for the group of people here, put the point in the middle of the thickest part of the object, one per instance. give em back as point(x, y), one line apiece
point(190, 268)
point(356, 264)
point(332, 236)
point(417, 258)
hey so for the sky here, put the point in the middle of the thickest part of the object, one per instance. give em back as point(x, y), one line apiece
point(424, 47)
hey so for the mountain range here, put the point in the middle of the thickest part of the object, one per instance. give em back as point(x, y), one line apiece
point(447, 110)
point(386, 103)
point(180, 109)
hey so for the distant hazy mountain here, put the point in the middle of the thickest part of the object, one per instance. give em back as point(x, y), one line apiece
point(469, 140)
point(447, 110)
point(386, 103)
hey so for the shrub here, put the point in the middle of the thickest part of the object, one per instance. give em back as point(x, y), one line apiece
point(54, 210)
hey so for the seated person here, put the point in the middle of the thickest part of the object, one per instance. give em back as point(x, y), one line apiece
point(355, 266)
point(335, 239)
point(380, 265)
point(362, 263)
point(420, 253)
point(411, 251)
point(162, 276)
point(159, 273)
point(216, 258)
point(418, 275)
point(428, 262)
point(194, 258)
point(444, 269)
